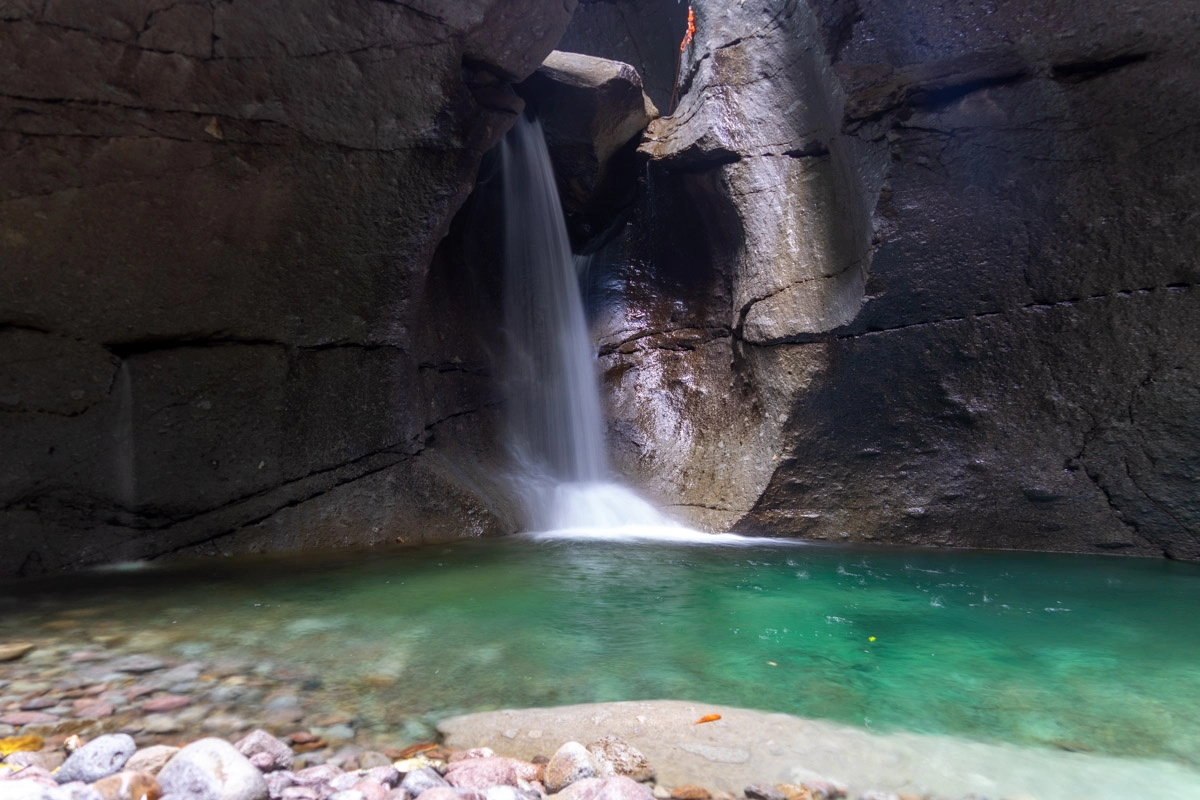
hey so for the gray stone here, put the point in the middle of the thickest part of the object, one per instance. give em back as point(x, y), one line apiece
point(387, 775)
point(138, 664)
point(278, 781)
point(481, 773)
point(763, 791)
point(103, 756)
point(271, 753)
point(570, 763)
point(316, 775)
point(590, 108)
point(421, 780)
point(372, 758)
point(212, 768)
point(302, 793)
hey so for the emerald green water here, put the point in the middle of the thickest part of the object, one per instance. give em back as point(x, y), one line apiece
point(1088, 653)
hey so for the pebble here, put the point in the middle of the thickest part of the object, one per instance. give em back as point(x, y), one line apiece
point(691, 792)
point(586, 789)
point(299, 793)
point(128, 785)
point(167, 702)
point(372, 758)
point(620, 787)
point(422, 780)
point(38, 703)
point(94, 710)
point(762, 791)
point(97, 759)
point(370, 790)
point(46, 759)
point(138, 664)
point(480, 773)
point(151, 759)
point(570, 763)
point(161, 723)
point(20, 718)
point(11, 651)
point(212, 769)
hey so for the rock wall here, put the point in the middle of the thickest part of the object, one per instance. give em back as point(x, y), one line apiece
point(920, 272)
point(216, 221)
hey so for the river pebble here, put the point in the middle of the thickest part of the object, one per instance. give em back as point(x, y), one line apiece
point(212, 769)
point(97, 759)
point(127, 785)
point(570, 763)
point(151, 759)
point(166, 702)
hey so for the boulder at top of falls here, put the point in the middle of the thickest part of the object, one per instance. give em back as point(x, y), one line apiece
point(590, 108)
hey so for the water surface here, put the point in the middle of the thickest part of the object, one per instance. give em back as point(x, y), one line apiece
point(1089, 653)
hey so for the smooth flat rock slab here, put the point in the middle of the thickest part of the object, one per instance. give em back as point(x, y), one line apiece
point(746, 746)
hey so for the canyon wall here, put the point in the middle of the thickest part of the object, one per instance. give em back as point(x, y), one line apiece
point(919, 272)
point(216, 223)
point(891, 270)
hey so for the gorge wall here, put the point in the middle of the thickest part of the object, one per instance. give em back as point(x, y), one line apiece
point(892, 270)
point(216, 221)
point(918, 272)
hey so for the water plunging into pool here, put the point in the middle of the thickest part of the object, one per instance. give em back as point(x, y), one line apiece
point(556, 426)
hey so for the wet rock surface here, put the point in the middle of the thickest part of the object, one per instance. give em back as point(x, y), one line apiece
point(944, 272)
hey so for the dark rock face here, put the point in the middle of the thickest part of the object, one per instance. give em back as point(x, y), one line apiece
point(642, 33)
point(215, 224)
point(947, 286)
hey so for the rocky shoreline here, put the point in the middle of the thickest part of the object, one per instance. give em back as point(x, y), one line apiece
point(260, 766)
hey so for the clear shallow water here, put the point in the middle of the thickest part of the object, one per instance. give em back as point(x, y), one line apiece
point(1088, 653)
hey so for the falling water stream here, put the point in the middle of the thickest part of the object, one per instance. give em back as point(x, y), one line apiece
point(556, 425)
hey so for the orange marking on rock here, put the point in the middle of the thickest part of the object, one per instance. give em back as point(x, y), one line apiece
point(707, 718)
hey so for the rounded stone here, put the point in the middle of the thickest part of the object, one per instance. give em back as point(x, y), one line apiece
point(99, 758)
point(620, 787)
point(265, 751)
point(127, 785)
point(481, 773)
point(212, 769)
point(421, 780)
point(570, 763)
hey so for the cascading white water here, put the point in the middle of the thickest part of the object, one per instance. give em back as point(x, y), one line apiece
point(554, 413)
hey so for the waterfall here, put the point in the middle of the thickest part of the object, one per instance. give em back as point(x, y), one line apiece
point(556, 426)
